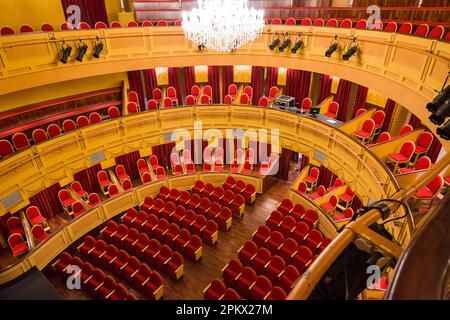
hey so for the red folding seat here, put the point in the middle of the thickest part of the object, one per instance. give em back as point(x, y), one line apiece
point(403, 157)
point(347, 23)
point(423, 163)
point(313, 240)
point(86, 270)
point(247, 253)
point(277, 294)
point(302, 259)
point(129, 217)
point(423, 144)
point(347, 215)
point(120, 235)
point(229, 183)
point(87, 246)
point(6, 148)
point(194, 203)
point(290, 22)
point(274, 220)
point(96, 253)
point(337, 183)
point(231, 272)
point(366, 132)
point(109, 256)
point(94, 118)
point(437, 32)
point(234, 168)
point(274, 242)
point(154, 286)
point(245, 281)
point(163, 257)
point(300, 232)
point(141, 245)
point(195, 91)
point(113, 113)
point(406, 129)
point(190, 168)
point(288, 250)
point(65, 199)
point(286, 206)
point(93, 199)
point(199, 225)
point(239, 186)
point(230, 294)
point(198, 187)
point(261, 289)
point(158, 207)
point(5, 31)
point(298, 212)
point(69, 125)
point(109, 231)
point(207, 191)
point(276, 21)
point(39, 135)
point(333, 23)
point(130, 270)
point(227, 198)
point(287, 226)
point(121, 173)
point(422, 30)
point(161, 228)
point(333, 110)
point(391, 27)
point(175, 266)
point(14, 225)
point(311, 217)
point(172, 95)
point(39, 234)
point(107, 289)
point(20, 141)
point(289, 276)
point(141, 278)
point(103, 180)
point(189, 219)
point(325, 242)
point(53, 130)
point(215, 290)
point(78, 189)
point(193, 249)
point(78, 209)
point(330, 206)
point(93, 284)
point(179, 214)
point(148, 204)
point(237, 206)
point(153, 249)
point(82, 121)
point(261, 236)
point(249, 193)
point(261, 259)
point(274, 268)
point(121, 294)
point(224, 220)
point(142, 167)
point(214, 212)
point(185, 198)
point(218, 194)
point(131, 239)
point(120, 263)
point(171, 235)
point(319, 22)
point(162, 23)
point(347, 197)
point(113, 191)
point(60, 265)
point(263, 102)
point(168, 211)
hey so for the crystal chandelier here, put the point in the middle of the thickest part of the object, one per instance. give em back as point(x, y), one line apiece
point(222, 25)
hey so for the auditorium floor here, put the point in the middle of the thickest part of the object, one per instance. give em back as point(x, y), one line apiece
point(198, 275)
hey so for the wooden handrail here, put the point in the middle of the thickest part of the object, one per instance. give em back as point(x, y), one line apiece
point(423, 270)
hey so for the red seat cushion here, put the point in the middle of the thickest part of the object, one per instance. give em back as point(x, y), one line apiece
point(406, 170)
point(327, 207)
point(424, 193)
point(67, 202)
point(420, 149)
point(346, 197)
point(123, 176)
point(447, 179)
point(398, 157)
point(362, 133)
point(18, 249)
point(311, 179)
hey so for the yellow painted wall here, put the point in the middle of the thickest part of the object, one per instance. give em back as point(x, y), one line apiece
point(282, 73)
point(201, 74)
point(112, 9)
point(242, 74)
point(162, 76)
point(334, 84)
point(33, 12)
point(376, 98)
point(61, 89)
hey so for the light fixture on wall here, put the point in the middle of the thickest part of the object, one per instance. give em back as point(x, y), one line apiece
point(82, 51)
point(275, 42)
point(442, 113)
point(298, 44)
point(286, 42)
point(444, 131)
point(66, 51)
point(333, 47)
point(351, 50)
point(98, 49)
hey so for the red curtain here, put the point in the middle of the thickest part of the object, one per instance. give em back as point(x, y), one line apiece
point(325, 88)
point(284, 164)
point(88, 178)
point(3, 228)
point(227, 78)
point(435, 149)
point(342, 96)
point(356, 204)
point(135, 80)
point(414, 122)
point(129, 161)
point(47, 201)
point(163, 153)
point(304, 162)
point(361, 97)
point(297, 84)
point(257, 84)
point(92, 11)
point(150, 82)
point(271, 79)
point(389, 112)
point(174, 81)
point(326, 177)
point(189, 79)
point(214, 82)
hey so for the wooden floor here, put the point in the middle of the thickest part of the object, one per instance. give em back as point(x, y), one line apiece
point(198, 275)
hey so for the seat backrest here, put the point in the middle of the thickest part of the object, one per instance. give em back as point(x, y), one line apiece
point(13, 223)
point(333, 200)
point(347, 23)
point(332, 23)
point(113, 112)
point(115, 24)
point(7, 31)
point(425, 139)
point(26, 28)
point(46, 27)
point(95, 117)
point(368, 125)
point(162, 23)
point(82, 121)
point(362, 24)
point(232, 89)
point(167, 102)
point(435, 185)
point(63, 194)
point(32, 212)
point(384, 137)
point(228, 100)
point(406, 28)
point(333, 107)
point(93, 199)
point(407, 128)
point(20, 140)
point(319, 22)
point(391, 27)
point(157, 93)
point(132, 24)
point(422, 30)
point(315, 172)
point(171, 92)
point(6, 148)
point(152, 104)
point(263, 102)
point(147, 23)
point(378, 117)
point(275, 21)
point(15, 239)
point(190, 100)
point(423, 163)
point(306, 104)
point(407, 149)
point(248, 90)
point(290, 22)
point(244, 99)
point(204, 99)
point(100, 25)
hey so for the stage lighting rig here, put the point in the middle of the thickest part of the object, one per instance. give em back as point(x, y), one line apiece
point(275, 42)
point(66, 51)
point(351, 50)
point(82, 51)
point(333, 47)
point(298, 44)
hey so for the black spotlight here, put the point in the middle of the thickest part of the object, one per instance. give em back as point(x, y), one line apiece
point(439, 100)
point(298, 45)
point(351, 51)
point(98, 49)
point(285, 44)
point(333, 47)
point(275, 43)
point(82, 52)
point(444, 131)
point(201, 47)
point(441, 114)
point(67, 50)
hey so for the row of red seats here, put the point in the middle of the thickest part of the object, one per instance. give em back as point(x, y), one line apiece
point(21, 141)
point(93, 280)
point(134, 243)
point(46, 27)
point(298, 212)
point(128, 268)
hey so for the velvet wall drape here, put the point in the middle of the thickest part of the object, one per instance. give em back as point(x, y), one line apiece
point(174, 81)
point(227, 78)
point(150, 82)
point(361, 97)
point(325, 87)
point(92, 11)
point(297, 84)
point(47, 201)
point(342, 97)
point(129, 161)
point(214, 82)
point(389, 112)
point(135, 81)
point(88, 179)
point(271, 79)
point(189, 79)
point(257, 83)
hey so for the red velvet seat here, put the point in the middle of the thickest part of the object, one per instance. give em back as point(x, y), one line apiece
point(39, 234)
point(360, 112)
point(147, 23)
point(207, 192)
point(406, 129)
point(210, 232)
point(69, 125)
point(120, 262)
point(431, 189)
point(366, 132)
point(193, 249)
point(224, 220)
point(214, 211)
point(298, 212)
point(171, 235)
point(60, 265)
point(347, 197)
point(39, 135)
point(378, 117)
point(142, 243)
point(152, 251)
point(245, 281)
point(261, 288)
point(306, 105)
point(406, 28)
point(274, 268)
point(300, 232)
point(109, 231)
point(6, 148)
point(244, 99)
point(276, 21)
point(330, 206)
point(274, 242)
point(311, 180)
point(228, 100)
point(185, 198)
point(402, 157)
point(198, 187)
point(26, 28)
point(119, 236)
point(168, 211)
point(421, 164)
point(314, 240)
point(437, 32)
point(230, 294)
point(194, 203)
point(325, 242)
point(277, 294)
point(337, 183)
point(302, 259)
point(391, 27)
point(78, 209)
point(113, 112)
point(115, 24)
point(121, 173)
point(347, 23)
point(237, 206)
point(422, 30)
point(288, 250)
point(207, 90)
point(231, 272)
point(82, 121)
point(162, 23)
point(290, 22)
point(99, 249)
point(261, 259)
point(161, 228)
point(345, 216)
point(103, 180)
point(215, 290)
point(302, 188)
point(14, 225)
point(362, 24)
point(333, 110)
point(311, 217)
point(100, 25)
point(318, 22)
point(34, 215)
point(130, 240)
point(160, 173)
point(249, 193)
point(423, 144)
point(78, 189)
point(247, 253)
point(306, 22)
point(20, 141)
point(263, 102)
point(229, 183)
point(94, 118)
point(261, 236)
point(5, 31)
point(286, 206)
point(289, 276)
point(318, 194)
point(332, 23)
point(113, 191)
point(87, 246)
point(65, 199)
point(287, 226)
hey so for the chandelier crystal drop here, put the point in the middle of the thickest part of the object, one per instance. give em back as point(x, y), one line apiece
point(222, 25)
